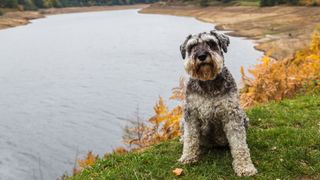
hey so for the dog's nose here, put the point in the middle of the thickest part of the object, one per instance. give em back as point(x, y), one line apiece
point(202, 56)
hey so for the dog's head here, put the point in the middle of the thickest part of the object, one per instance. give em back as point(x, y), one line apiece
point(203, 54)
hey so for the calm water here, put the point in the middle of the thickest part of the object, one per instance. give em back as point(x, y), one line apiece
point(70, 82)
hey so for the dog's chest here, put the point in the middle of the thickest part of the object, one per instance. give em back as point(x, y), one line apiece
point(204, 106)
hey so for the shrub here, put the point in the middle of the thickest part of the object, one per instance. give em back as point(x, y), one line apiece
point(164, 125)
point(38, 3)
point(204, 3)
point(29, 5)
point(56, 4)
point(12, 3)
point(268, 2)
point(315, 3)
point(8, 3)
point(293, 2)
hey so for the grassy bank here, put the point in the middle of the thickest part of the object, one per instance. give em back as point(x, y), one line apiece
point(283, 137)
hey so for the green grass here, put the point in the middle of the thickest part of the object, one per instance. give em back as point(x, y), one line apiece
point(284, 139)
point(246, 3)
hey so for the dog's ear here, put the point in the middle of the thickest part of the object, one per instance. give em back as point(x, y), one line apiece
point(223, 40)
point(183, 49)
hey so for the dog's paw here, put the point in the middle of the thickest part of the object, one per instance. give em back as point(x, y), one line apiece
point(181, 139)
point(188, 159)
point(245, 169)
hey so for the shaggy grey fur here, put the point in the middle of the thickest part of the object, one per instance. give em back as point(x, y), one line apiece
point(213, 116)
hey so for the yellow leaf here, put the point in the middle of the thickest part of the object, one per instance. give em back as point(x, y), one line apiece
point(88, 161)
point(177, 171)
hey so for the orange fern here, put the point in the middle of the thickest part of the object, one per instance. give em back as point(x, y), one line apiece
point(275, 80)
point(89, 160)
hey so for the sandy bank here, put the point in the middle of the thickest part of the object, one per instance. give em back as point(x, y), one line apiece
point(280, 30)
point(17, 18)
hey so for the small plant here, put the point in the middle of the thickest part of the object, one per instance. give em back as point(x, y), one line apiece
point(1, 13)
point(164, 125)
point(88, 161)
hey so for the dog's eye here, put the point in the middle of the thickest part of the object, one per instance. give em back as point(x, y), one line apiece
point(212, 44)
point(190, 48)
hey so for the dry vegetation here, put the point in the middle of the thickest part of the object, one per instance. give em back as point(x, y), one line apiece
point(276, 80)
point(164, 125)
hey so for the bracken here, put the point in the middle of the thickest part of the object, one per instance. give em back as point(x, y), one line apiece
point(276, 80)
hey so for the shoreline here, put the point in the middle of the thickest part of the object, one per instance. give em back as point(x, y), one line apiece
point(277, 31)
point(19, 18)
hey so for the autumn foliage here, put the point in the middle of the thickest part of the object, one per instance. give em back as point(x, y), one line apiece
point(275, 80)
point(164, 125)
point(81, 164)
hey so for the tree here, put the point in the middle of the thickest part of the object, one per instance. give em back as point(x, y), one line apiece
point(293, 2)
point(56, 4)
point(29, 5)
point(204, 3)
point(38, 3)
point(10, 3)
point(115, 2)
point(268, 2)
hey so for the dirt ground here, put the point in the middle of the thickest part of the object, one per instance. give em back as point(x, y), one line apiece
point(279, 31)
point(12, 19)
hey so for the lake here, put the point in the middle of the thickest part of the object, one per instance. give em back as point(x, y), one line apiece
point(69, 83)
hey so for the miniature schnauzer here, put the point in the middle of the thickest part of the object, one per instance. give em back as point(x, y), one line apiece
point(213, 116)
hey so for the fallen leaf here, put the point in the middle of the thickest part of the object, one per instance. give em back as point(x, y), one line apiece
point(177, 171)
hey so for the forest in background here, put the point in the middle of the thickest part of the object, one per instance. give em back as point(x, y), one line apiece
point(39, 4)
point(262, 3)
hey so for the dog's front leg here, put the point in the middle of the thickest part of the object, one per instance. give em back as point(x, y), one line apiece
point(236, 135)
point(191, 140)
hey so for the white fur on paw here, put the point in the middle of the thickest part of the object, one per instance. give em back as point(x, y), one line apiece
point(246, 170)
point(188, 159)
point(181, 139)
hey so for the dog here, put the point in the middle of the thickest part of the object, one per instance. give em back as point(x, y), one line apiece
point(212, 113)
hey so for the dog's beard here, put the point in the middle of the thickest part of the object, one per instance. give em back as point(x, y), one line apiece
point(206, 70)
